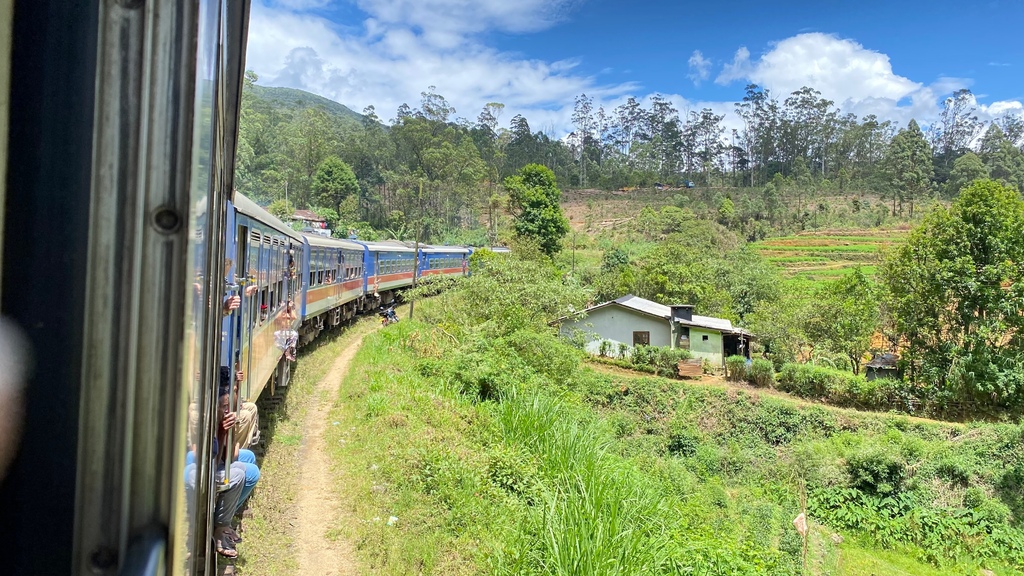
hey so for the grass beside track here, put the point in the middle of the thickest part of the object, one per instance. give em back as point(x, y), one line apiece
point(268, 549)
point(610, 474)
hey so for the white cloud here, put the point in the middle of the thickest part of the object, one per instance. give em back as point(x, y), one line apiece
point(840, 69)
point(857, 79)
point(459, 17)
point(386, 64)
point(404, 46)
point(700, 68)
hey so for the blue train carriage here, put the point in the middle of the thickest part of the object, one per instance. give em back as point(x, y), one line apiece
point(335, 286)
point(389, 268)
point(263, 269)
point(444, 261)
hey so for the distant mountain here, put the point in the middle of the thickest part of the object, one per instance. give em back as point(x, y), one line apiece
point(293, 99)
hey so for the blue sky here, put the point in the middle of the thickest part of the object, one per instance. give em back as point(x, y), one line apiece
point(896, 59)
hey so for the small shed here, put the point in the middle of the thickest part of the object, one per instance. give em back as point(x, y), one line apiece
point(883, 366)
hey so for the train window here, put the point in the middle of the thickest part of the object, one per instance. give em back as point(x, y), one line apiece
point(263, 305)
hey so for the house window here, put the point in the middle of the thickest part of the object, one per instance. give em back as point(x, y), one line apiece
point(704, 338)
point(641, 338)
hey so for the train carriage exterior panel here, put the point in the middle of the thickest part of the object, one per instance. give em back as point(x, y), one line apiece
point(334, 276)
point(262, 271)
point(450, 261)
point(389, 267)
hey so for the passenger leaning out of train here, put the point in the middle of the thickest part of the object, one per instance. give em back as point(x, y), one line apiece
point(246, 433)
point(232, 303)
point(284, 337)
point(229, 481)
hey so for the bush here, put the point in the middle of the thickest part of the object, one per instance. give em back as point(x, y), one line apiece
point(839, 388)
point(876, 470)
point(761, 373)
point(736, 368)
point(683, 441)
point(666, 361)
point(663, 361)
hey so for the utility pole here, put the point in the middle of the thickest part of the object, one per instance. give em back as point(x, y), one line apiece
point(416, 268)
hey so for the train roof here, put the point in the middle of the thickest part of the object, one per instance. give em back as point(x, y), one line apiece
point(431, 249)
point(385, 246)
point(253, 210)
point(327, 242)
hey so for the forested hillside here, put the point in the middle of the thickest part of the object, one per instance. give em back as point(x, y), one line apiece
point(431, 167)
point(492, 447)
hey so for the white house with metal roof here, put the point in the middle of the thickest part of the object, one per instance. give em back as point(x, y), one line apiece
point(634, 321)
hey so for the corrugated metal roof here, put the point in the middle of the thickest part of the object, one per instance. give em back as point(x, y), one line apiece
point(709, 322)
point(307, 215)
point(661, 311)
point(643, 305)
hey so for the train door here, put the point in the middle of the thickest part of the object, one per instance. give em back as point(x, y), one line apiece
point(376, 272)
point(241, 282)
point(252, 309)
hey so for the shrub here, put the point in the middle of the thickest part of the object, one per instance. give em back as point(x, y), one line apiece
point(736, 368)
point(838, 387)
point(642, 356)
point(683, 441)
point(876, 470)
point(604, 348)
point(666, 361)
point(663, 361)
point(761, 373)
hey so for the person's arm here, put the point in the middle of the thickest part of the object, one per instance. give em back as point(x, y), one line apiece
point(231, 303)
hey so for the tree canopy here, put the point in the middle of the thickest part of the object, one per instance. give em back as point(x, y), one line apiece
point(955, 294)
point(534, 203)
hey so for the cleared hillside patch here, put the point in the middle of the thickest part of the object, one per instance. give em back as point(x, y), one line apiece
point(810, 258)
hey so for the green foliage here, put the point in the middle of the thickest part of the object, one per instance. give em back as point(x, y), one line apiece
point(966, 169)
point(876, 471)
point(842, 388)
point(779, 325)
point(482, 303)
point(761, 373)
point(614, 260)
point(660, 360)
point(282, 209)
point(534, 202)
point(953, 292)
point(330, 216)
point(703, 264)
point(333, 183)
point(1003, 160)
point(909, 166)
point(844, 316)
point(736, 368)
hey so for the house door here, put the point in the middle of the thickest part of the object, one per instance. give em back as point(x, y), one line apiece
point(641, 338)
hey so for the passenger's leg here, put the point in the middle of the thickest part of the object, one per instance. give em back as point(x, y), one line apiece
point(247, 426)
point(227, 500)
point(252, 475)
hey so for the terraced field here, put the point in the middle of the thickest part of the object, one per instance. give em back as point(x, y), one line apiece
point(810, 258)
